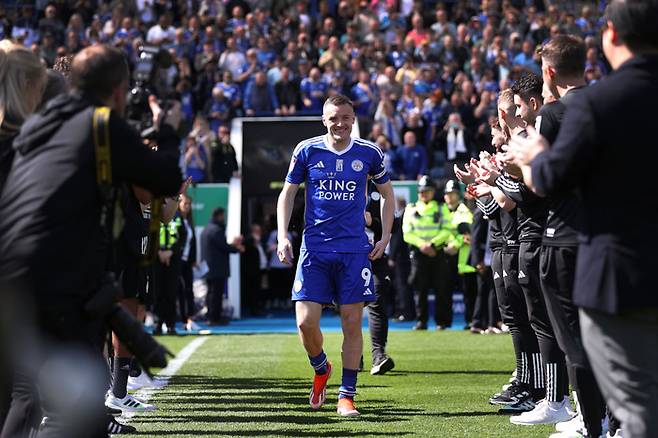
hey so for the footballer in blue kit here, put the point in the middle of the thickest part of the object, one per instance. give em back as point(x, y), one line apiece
point(334, 263)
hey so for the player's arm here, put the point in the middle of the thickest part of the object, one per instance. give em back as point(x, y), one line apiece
point(511, 188)
point(296, 175)
point(387, 206)
point(284, 208)
point(503, 201)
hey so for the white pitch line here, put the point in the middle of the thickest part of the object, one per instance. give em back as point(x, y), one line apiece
point(167, 373)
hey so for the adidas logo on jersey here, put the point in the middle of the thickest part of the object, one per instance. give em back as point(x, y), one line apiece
point(318, 165)
point(521, 274)
point(368, 291)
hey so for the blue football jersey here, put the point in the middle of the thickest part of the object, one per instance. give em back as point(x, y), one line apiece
point(336, 184)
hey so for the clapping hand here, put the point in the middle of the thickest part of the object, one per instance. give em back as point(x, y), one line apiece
point(524, 150)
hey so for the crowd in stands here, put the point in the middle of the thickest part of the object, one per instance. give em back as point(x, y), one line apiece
point(424, 75)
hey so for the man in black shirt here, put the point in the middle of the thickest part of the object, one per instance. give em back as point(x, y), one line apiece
point(521, 395)
point(531, 382)
point(224, 163)
point(378, 309)
point(563, 63)
point(215, 252)
point(485, 305)
point(531, 218)
point(615, 280)
point(53, 248)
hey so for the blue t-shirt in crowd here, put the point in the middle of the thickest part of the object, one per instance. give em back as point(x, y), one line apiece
point(424, 87)
point(336, 183)
point(195, 171)
point(231, 91)
point(316, 92)
point(412, 160)
point(362, 101)
point(266, 57)
point(217, 107)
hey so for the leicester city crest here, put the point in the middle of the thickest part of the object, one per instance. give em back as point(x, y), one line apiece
point(357, 165)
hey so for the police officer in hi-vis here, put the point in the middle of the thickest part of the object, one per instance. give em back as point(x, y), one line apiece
point(167, 274)
point(428, 235)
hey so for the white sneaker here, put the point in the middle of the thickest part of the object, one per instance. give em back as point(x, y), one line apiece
point(143, 381)
point(128, 404)
point(580, 433)
point(544, 413)
point(574, 424)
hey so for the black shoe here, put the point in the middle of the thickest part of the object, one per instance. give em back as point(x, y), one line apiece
point(517, 392)
point(518, 408)
point(382, 365)
point(360, 368)
point(114, 411)
point(116, 428)
point(420, 326)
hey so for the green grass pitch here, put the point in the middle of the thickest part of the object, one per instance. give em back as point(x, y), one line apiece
point(257, 385)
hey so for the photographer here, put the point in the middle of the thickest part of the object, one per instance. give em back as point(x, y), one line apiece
point(53, 248)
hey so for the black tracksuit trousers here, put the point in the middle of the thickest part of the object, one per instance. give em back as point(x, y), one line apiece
point(514, 312)
point(557, 272)
point(377, 310)
point(553, 372)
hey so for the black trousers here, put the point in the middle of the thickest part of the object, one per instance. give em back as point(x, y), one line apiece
point(557, 273)
point(514, 312)
point(440, 274)
point(215, 297)
point(378, 309)
point(485, 308)
point(280, 283)
point(64, 379)
point(24, 411)
point(167, 285)
point(469, 285)
point(186, 292)
point(404, 297)
point(252, 292)
point(554, 371)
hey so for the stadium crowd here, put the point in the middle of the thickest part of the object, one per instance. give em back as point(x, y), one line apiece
point(427, 67)
point(445, 89)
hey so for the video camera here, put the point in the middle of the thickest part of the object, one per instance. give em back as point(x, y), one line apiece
point(146, 77)
point(104, 305)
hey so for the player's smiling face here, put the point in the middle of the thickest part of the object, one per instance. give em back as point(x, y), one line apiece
point(339, 121)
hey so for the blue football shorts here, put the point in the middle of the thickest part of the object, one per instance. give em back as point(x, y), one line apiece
point(330, 277)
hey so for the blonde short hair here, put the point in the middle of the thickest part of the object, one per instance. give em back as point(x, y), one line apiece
point(506, 100)
point(22, 82)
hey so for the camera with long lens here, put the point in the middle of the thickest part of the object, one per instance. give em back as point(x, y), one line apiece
point(147, 81)
point(104, 305)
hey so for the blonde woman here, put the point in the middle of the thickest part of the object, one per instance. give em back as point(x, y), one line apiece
point(22, 81)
